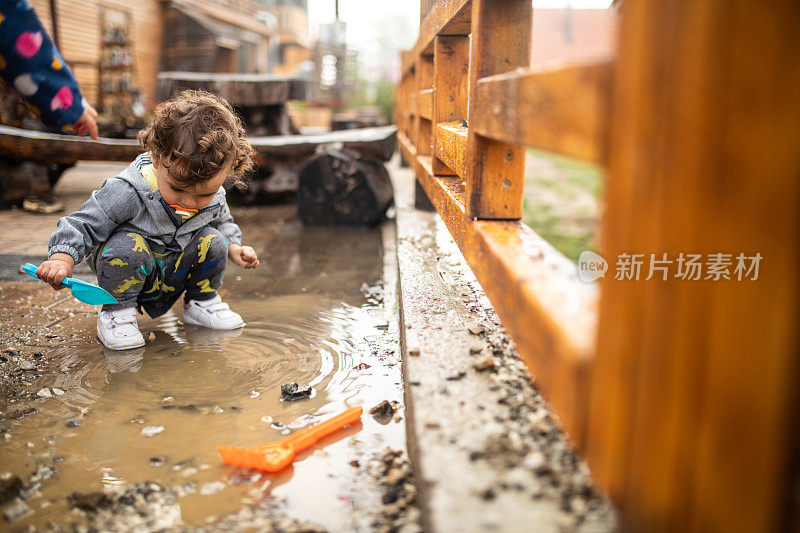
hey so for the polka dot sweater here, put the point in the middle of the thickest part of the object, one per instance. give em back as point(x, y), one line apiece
point(30, 63)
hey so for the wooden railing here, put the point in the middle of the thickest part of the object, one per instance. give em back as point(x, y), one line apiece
point(682, 394)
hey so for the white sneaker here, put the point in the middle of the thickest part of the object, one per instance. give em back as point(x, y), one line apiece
point(213, 313)
point(118, 330)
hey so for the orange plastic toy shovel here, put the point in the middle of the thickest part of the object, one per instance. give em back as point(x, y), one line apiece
point(278, 455)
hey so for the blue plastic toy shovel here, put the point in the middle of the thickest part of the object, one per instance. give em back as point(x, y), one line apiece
point(85, 292)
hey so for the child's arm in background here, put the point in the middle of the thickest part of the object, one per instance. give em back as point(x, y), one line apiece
point(244, 256)
point(33, 66)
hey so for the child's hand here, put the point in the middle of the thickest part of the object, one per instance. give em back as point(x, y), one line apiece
point(87, 123)
point(55, 269)
point(244, 256)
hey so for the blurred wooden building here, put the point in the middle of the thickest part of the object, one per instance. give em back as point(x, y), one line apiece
point(117, 48)
point(204, 36)
point(293, 44)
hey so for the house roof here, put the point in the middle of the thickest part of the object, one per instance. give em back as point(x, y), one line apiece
point(203, 11)
point(568, 35)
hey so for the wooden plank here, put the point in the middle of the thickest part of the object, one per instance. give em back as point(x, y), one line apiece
point(693, 424)
point(500, 40)
point(451, 83)
point(404, 105)
point(548, 312)
point(238, 89)
point(424, 79)
point(45, 147)
point(425, 99)
point(447, 17)
point(52, 147)
point(413, 106)
point(407, 61)
point(451, 148)
point(79, 28)
point(378, 143)
point(564, 110)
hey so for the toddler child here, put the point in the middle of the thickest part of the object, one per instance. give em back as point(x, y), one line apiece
point(162, 227)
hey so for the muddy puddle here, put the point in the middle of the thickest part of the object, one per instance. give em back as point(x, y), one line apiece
point(318, 313)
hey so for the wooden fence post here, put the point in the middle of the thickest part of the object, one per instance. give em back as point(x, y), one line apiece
point(451, 88)
point(693, 415)
point(424, 96)
point(500, 42)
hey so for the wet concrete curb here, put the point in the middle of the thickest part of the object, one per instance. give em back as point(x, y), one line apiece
point(487, 454)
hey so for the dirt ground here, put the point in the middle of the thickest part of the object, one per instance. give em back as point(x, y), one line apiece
point(120, 442)
point(97, 441)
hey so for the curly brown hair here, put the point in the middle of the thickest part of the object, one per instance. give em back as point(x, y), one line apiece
point(197, 134)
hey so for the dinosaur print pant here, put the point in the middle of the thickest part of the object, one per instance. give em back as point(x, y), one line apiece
point(136, 276)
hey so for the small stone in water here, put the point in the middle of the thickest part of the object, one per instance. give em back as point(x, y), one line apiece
point(475, 349)
point(57, 392)
point(383, 409)
point(151, 337)
point(16, 510)
point(87, 502)
point(151, 431)
point(44, 393)
point(167, 399)
point(292, 391)
point(26, 365)
point(487, 363)
point(254, 394)
point(536, 461)
point(475, 329)
point(414, 351)
point(10, 486)
point(73, 423)
point(212, 488)
point(217, 410)
point(158, 461)
point(137, 420)
point(43, 472)
point(267, 419)
point(184, 464)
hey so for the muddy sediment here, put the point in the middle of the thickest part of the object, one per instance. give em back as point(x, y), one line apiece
point(489, 452)
point(117, 441)
point(122, 441)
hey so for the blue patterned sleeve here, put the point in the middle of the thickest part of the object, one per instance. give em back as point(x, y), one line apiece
point(31, 64)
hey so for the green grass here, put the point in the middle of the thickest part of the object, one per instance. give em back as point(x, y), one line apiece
point(562, 197)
